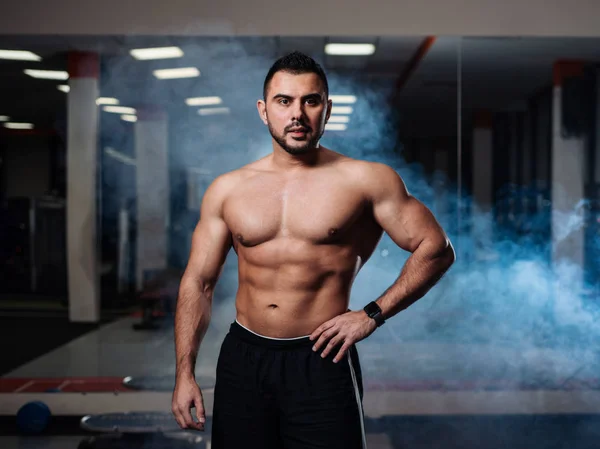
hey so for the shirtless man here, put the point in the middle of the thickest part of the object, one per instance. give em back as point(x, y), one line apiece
point(303, 221)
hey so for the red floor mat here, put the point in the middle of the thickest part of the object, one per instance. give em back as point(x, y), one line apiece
point(64, 385)
point(115, 384)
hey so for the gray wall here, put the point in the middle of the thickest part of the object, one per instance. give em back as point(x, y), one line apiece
point(310, 17)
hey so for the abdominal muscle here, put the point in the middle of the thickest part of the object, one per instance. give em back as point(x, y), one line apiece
point(288, 301)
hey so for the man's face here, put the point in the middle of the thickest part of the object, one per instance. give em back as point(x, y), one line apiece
point(295, 110)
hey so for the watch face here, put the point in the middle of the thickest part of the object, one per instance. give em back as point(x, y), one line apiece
point(371, 308)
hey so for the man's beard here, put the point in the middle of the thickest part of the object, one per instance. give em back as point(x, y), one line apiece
point(306, 146)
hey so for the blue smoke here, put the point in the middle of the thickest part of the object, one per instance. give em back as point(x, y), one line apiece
point(526, 315)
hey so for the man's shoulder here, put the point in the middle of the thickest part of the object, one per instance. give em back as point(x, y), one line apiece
point(369, 172)
point(226, 182)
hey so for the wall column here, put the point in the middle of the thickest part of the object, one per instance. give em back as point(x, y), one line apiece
point(151, 153)
point(82, 162)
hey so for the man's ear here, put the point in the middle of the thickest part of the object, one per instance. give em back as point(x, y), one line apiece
point(329, 106)
point(262, 110)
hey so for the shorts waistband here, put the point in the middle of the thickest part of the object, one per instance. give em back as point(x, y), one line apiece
point(242, 332)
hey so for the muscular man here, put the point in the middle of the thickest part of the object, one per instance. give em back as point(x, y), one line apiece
point(303, 221)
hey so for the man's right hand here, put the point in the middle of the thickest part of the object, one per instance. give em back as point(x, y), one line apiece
point(187, 394)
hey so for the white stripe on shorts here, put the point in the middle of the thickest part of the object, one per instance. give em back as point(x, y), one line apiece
point(358, 403)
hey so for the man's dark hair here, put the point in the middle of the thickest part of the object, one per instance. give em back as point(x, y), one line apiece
point(295, 63)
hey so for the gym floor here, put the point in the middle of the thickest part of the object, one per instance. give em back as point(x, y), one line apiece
point(417, 394)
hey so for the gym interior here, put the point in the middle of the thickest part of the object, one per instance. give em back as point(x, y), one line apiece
point(111, 131)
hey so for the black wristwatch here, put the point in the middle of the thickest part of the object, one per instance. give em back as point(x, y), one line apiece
point(374, 311)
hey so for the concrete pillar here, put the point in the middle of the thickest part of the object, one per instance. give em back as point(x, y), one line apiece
point(82, 147)
point(567, 189)
point(152, 178)
point(482, 217)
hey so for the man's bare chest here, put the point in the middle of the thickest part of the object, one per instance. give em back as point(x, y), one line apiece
point(317, 211)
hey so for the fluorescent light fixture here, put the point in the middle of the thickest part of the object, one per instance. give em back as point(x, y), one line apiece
point(119, 110)
point(199, 171)
point(145, 54)
point(19, 55)
point(4, 118)
point(203, 101)
point(106, 100)
point(184, 72)
point(343, 99)
point(64, 88)
point(119, 156)
point(213, 111)
point(129, 118)
point(13, 125)
point(335, 127)
point(350, 49)
point(339, 119)
point(47, 74)
point(341, 110)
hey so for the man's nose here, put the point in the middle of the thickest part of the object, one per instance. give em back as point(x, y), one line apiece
point(297, 111)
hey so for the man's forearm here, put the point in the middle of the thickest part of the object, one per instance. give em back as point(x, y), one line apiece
point(191, 323)
point(423, 269)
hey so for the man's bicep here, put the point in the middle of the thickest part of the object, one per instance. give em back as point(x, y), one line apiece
point(211, 242)
point(403, 217)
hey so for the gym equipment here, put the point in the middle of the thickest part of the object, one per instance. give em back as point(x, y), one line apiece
point(130, 422)
point(132, 430)
point(162, 383)
point(32, 246)
point(151, 441)
point(33, 418)
point(157, 297)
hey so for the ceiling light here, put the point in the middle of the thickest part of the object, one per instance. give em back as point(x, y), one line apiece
point(119, 110)
point(106, 100)
point(119, 156)
point(64, 88)
point(4, 118)
point(335, 127)
point(199, 171)
point(213, 111)
point(341, 110)
point(339, 119)
point(185, 72)
point(349, 99)
point(144, 54)
point(18, 55)
point(129, 118)
point(12, 125)
point(47, 74)
point(350, 49)
point(203, 101)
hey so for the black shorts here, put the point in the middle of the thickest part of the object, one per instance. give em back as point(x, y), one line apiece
point(279, 393)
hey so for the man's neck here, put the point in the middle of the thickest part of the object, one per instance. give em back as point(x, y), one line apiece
point(282, 160)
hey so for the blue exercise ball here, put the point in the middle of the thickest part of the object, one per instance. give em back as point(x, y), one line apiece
point(33, 417)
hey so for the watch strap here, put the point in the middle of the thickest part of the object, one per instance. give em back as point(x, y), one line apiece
point(374, 311)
